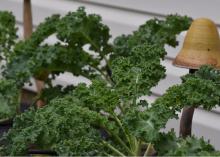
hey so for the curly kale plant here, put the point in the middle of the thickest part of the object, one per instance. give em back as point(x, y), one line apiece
point(85, 122)
point(107, 117)
point(82, 44)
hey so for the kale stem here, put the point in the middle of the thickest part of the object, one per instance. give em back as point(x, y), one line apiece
point(109, 155)
point(106, 60)
point(138, 148)
point(108, 70)
point(113, 148)
point(108, 77)
point(18, 108)
point(136, 90)
point(135, 145)
point(122, 143)
point(148, 150)
point(104, 75)
point(90, 41)
point(124, 131)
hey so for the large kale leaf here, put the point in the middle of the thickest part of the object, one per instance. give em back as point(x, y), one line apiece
point(9, 99)
point(154, 31)
point(135, 75)
point(169, 145)
point(7, 33)
point(63, 126)
point(82, 43)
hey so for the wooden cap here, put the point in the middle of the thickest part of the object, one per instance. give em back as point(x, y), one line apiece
point(201, 46)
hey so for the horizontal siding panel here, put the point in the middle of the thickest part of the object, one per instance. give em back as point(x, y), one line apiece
point(205, 124)
point(195, 9)
point(126, 20)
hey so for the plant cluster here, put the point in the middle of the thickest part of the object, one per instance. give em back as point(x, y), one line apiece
point(108, 117)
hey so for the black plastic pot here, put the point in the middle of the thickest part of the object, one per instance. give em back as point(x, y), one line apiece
point(41, 152)
point(5, 126)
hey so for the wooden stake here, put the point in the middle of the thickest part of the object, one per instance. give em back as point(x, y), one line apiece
point(27, 15)
point(28, 28)
point(186, 118)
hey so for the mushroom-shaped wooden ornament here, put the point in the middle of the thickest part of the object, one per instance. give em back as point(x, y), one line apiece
point(201, 47)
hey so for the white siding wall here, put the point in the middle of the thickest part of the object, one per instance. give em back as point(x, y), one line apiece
point(124, 16)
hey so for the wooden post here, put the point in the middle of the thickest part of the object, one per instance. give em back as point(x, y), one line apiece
point(186, 118)
point(27, 17)
point(28, 28)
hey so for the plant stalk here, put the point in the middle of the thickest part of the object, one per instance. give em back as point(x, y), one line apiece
point(108, 76)
point(109, 155)
point(122, 143)
point(124, 131)
point(147, 152)
point(136, 89)
point(138, 148)
point(18, 107)
point(113, 148)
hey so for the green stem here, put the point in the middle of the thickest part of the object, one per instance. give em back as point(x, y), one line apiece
point(107, 65)
point(148, 150)
point(18, 110)
point(106, 154)
point(113, 149)
point(106, 60)
point(104, 75)
point(137, 148)
point(122, 143)
point(104, 57)
point(124, 131)
point(90, 41)
point(136, 90)
point(134, 145)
